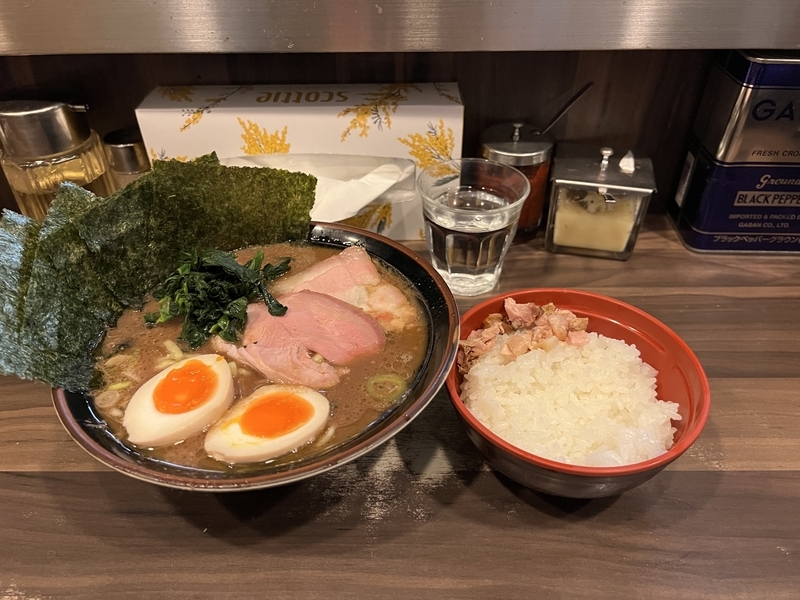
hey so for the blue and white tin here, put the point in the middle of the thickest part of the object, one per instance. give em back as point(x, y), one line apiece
point(740, 186)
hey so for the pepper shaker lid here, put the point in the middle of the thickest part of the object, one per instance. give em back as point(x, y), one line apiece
point(37, 128)
point(515, 144)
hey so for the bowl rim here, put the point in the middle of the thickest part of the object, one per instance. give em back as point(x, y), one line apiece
point(333, 234)
point(687, 439)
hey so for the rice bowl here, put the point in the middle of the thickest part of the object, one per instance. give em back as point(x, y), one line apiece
point(680, 380)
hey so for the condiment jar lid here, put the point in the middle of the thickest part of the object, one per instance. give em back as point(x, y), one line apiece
point(126, 151)
point(38, 128)
point(594, 167)
point(515, 144)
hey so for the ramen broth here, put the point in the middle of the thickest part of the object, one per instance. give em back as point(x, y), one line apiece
point(133, 352)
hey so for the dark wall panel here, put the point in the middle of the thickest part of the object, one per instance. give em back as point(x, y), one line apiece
point(643, 100)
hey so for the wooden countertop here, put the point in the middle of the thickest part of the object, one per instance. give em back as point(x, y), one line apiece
point(423, 516)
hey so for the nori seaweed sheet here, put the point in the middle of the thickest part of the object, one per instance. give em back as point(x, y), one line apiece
point(57, 300)
point(117, 231)
point(18, 240)
point(47, 327)
point(29, 351)
point(57, 321)
point(139, 234)
point(62, 246)
point(56, 317)
point(61, 329)
point(233, 207)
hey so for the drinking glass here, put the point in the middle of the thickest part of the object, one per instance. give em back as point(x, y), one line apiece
point(471, 208)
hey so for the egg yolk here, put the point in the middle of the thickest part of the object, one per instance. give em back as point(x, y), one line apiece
point(275, 415)
point(185, 388)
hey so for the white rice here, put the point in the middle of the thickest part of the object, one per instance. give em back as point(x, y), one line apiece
point(593, 405)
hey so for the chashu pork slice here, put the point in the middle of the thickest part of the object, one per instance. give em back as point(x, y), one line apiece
point(352, 277)
point(332, 328)
point(342, 275)
point(271, 349)
point(281, 347)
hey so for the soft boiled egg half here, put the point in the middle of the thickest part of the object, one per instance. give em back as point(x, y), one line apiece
point(180, 401)
point(273, 420)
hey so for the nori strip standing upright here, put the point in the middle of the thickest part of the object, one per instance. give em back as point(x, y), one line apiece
point(55, 315)
point(266, 206)
point(21, 354)
point(58, 319)
point(60, 244)
point(177, 221)
point(117, 231)
point(18, 239)
point(233, 207)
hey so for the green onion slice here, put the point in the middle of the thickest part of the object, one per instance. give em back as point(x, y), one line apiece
point(386, 388)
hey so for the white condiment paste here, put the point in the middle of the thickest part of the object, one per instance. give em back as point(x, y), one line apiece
point(594, 223)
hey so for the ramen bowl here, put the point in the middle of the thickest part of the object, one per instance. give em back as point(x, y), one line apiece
point(680, 379)
point(84, 423)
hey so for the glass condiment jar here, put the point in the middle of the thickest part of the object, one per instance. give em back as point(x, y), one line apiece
point(127, 157)
point(597, 203)
point(520, 146)
point(45, 144)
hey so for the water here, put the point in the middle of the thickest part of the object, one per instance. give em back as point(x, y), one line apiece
point(468, 234)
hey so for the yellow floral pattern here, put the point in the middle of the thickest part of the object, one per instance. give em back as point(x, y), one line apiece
point(434, 146)
point(178, 93)
point(377, 109)
point(259, 141)
point(444, 92)
point(194, 115)
point(162, 155)
point(376, 217)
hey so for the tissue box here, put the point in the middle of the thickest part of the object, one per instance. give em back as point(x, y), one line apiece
point(421, 123)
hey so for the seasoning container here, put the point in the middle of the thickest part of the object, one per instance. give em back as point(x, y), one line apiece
point(597, 202)
point(127, 156)
point(45, 144)
point(740, 186)
point(521, 146)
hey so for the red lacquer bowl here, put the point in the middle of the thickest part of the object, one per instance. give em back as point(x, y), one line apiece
point(680, 379)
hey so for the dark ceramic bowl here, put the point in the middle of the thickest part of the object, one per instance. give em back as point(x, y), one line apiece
point(680, 379)
point(84, 424)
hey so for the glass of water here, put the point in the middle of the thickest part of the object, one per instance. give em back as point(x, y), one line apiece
point(471, 208)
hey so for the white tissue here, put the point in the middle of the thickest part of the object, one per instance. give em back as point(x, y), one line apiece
point(346, 183)
point(627, 164)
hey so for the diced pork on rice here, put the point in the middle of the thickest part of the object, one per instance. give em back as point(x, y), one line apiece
point(592, 403)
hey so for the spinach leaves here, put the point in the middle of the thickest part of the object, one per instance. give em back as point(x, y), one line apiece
point(211, 290)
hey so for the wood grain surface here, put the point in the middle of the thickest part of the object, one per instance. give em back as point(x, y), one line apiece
point(424, 516)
